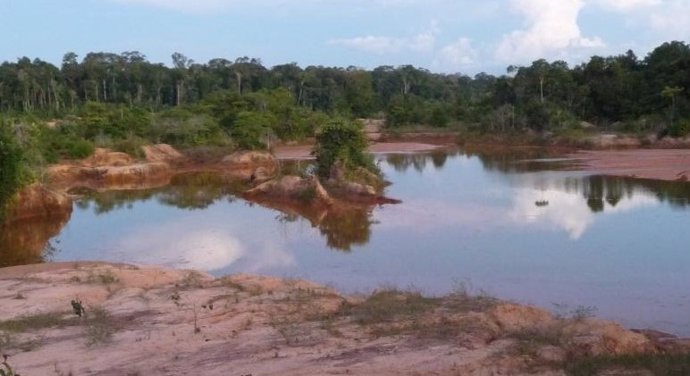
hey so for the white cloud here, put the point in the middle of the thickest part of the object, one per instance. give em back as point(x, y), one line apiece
point(552, 32)
point(183, 5)
point(383, 45)
point(626, 5)
point(456, 55)
point(568, 211)
point(672, 20)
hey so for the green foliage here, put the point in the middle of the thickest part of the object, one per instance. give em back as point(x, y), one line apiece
point(251, 130)
point(116, 121)
point(344, 142)
point(10, 166)
point(186, 127)
point(62, 142)
point(546, 116)
point(681, 128)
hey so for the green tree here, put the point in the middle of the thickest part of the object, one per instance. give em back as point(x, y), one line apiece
point(10, 166)
point(341, 141)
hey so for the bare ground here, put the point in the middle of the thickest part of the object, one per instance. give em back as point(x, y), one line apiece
point(155, 321)
point(658, 164)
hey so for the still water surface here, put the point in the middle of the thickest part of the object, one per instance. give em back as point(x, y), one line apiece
point(513, 226)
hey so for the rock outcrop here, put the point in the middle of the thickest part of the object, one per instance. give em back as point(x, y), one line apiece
point(106, 157)
point(251, 159)
point(106, 169)
point(162, 153)
point(37, 202)
point(295, 188)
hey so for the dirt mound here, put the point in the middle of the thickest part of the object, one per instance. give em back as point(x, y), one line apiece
point(106, 157)
point(138, 174)
point(162, 153)
point(37, 201)
point(250, 159)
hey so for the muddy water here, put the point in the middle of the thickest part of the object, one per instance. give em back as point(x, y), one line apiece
point(518, 226)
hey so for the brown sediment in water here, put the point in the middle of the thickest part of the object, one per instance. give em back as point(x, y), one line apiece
point(656, 164)
point(150, 321)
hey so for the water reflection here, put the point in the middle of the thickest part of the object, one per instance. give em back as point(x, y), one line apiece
point(24, 242)
point(575, 208)
point(193, 191)
point(403, 162)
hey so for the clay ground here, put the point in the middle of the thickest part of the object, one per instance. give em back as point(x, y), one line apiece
point(155, 321)
point(658, 164)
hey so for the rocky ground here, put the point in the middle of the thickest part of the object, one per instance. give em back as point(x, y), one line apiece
point(154, 321)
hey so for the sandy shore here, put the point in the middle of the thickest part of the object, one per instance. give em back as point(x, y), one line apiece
point(658, 164)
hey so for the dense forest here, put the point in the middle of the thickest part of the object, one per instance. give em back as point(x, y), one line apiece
point(123, 100)
point(618, 91)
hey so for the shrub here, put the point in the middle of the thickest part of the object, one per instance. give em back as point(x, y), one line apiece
point(10, 166)
point(251, 129)
point(341, 141)
point(680, 129)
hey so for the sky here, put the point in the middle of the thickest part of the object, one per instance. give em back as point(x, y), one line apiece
point(448, 36)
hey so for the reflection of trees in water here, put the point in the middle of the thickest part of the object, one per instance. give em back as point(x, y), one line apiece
point(343, 225)
point(403, 162)
point(27, 242)
point(198, 191)
point(513, 160)
point(344, 228)
point(599, 190)
point(187, 191)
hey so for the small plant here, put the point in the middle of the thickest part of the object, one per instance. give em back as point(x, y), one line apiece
point(78, 308)
point(388, 305)
point(192, 279)
point(5, 368)
point(105, 278)
point(99, 327)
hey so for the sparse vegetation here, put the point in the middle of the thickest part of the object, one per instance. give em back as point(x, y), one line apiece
point(643, 364)
point(389, 305)
point(5, 368)
point(106, 277)
point(34, 322)
point(98, 326)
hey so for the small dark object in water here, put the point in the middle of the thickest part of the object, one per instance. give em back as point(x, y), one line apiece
point(541, 203)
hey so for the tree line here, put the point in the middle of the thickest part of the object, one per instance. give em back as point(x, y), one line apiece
point(652, 93)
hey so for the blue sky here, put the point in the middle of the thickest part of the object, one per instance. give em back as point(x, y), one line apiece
point(465, 36)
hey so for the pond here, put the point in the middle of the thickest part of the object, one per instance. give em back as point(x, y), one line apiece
point(524, 227)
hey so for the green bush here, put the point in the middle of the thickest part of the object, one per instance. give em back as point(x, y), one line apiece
point(251, 129)
point(341, 141)
point(185, 127)
point(10, 166)
point(62, 142)
point(680, 129)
